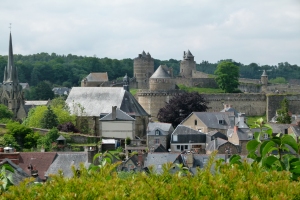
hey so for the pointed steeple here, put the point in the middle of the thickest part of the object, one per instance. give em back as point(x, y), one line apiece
point(10, 72)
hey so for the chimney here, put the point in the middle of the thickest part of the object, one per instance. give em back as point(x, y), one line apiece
point(241, 119)
point(216, 143)
point(114, 113)
point(189, 160)
point(140, 159)
point(235, 129)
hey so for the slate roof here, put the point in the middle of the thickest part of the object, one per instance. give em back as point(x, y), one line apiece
point(160, 148)
point(243, 133)
point(158, 159)
point(160, 73)
point(279, 128)
point(120, 116)
point(211, 119)
point(39, 161)
point(296, 130)
point(18, 175)
point(97, 77)
point(97, 100)
point(163, 126)
point(215, 134)
point(161, 132)
point(214, 145)
point(61, 90)
point(65, 161)
point(230, 109)
point(36, 103)
point(188, 135)
point(61, 138)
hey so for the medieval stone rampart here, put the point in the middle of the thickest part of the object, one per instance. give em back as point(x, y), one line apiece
point(273, 104)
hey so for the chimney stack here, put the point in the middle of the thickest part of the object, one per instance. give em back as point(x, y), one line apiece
point(114, 113)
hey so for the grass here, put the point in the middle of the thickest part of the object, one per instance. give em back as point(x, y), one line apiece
point(3, 131)
point(133, 91)
point(201, 90)
point(251, 120)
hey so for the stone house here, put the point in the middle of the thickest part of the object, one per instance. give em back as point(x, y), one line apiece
point(210, 121)
point(94, 80)
point(90, 102)
point(159, 134)
point(222, 146)
point(117, 124)
point(184, 138)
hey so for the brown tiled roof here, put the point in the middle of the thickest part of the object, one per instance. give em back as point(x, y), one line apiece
point(39, 161)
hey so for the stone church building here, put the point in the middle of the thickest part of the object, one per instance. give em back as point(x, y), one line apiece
point(11, 94)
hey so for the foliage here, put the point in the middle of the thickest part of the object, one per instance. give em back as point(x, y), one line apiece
point(6, 180)
point(242, 181)
point(43, 91)
point(283, 116)
point(36, 115)
point(81, 121)
point(251, 120)
point(278, 80)
point(128, 141)
point(200, 90)
point(5, 113)
point(180, 106)
point(10, 140)
point(227, 76)
point(68, 127)
point(46, 141)
point(279, 153)
point(49, 119)
point(133, 91)
point(24, 136)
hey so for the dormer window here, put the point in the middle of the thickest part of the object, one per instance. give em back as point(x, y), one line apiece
point(221, 121)
point(250, 136)
point(157, 132)
point(266, 136)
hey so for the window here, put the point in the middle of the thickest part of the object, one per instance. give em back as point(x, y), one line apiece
point(156, 141)
point(266, 136)
point(175, 138)
point(186, 146)
point(195, 122)
point(221, 121)
point(250, 136)
point(178, 146)
point(157, 132)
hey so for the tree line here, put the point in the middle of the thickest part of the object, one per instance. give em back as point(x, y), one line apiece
point(69, 70)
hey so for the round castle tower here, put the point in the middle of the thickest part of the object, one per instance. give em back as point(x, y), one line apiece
point(264, 78)
point(161, 80)
point(187, 65)
point(143, 68)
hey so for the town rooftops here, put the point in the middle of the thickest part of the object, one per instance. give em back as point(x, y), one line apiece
point(120, 116)
point(163, 126)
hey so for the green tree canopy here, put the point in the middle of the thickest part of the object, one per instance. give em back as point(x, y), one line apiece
point(5, 113)
point(227, 76)
point(180, 106)
point(283, 116)
point(49, 119)
point(43, 91)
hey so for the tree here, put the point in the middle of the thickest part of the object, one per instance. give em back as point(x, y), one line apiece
point(5, 113)
point(227, 76)
point(49, 119)
point(283, 113)
point(43, 91)
point(180, 106)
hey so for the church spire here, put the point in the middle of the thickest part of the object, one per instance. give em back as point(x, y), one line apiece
point(10, 72)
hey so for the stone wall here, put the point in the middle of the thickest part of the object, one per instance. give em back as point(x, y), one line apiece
point(250, 104)
point(197, 82)
point(273, 104)
point(250, 88)
point(248, 80)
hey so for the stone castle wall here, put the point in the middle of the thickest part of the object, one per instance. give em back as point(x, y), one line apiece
point(197, 82)
point(248, 80)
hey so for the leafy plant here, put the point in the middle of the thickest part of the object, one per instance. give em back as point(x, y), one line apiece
point(6, 180)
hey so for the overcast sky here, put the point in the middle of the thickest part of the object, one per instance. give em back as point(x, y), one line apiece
point(260, 31)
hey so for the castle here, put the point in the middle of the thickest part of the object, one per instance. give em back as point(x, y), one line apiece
point(259, 97)
point(11, 94)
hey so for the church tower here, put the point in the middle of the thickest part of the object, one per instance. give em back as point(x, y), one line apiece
point(11, 92)
point(187, 65)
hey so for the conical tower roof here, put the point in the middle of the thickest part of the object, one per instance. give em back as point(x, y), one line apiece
point(264, 73)
point(160, 73)
point(10, 72)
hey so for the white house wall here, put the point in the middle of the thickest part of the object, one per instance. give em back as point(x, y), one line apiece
point(117, 129)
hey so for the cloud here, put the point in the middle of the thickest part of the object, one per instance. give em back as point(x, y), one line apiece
point(265, 32)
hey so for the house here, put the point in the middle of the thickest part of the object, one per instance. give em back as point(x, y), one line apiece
point(18, 175)
point(210, 136)
point(108, 144)
point(222, 146)
point(61, 91)
point(186, 139)
point(210, 121)
point(65, 161)
point(94, 80)
point(294, 129)
point(159, 134)
point(117, 124)
point(36, 162)
point(96, 100)
point(134, 163)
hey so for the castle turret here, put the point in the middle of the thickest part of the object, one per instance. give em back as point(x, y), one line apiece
point(143, 68)
point(12, 95)
point(264, 78)
point(187, 65)
point(161, 79)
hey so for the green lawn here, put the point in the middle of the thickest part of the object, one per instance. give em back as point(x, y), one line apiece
point(133, 91)
point(200, 90)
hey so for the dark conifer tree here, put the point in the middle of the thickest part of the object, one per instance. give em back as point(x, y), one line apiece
point(49, 119)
